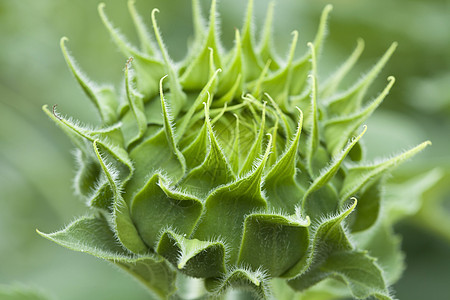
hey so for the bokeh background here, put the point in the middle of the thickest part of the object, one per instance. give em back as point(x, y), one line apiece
point(36, 161)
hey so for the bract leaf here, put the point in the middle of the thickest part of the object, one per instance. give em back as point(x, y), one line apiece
point(279, 183)
point(227, 206)
point(203, 96)
point(193, 257)
point(231, 79)
point(87, 174)
point(368, 210)
point(350, 101)
point(255, 150)
point(157, 206)
point(252, 65)
point(177, 96)
point(136, 104)
point(103, 97)
point(149, 70)
point(197, 72)
point(214, 171)
point(328, 236)
point(196, 151)
point(123, 225)
point(278, 84)
point(108, 139)
point(93, 235)
point(358, 270)
point(317, 201)
point(265, 50)
point(302, 66)
point(147, 43)
point(280, 241)
point(329, 87)
point(359, 176)
point(313, 137)
point(102, 197)
point(338, 130)
point(165, 155)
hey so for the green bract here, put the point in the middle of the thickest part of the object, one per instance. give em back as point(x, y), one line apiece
point(234, 166)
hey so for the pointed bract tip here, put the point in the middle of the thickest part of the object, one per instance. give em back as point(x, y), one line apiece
point(355, 202)
point(101, 7)
point(154, 11)
point(63, 40)
point(328, 8)
point(364, 129)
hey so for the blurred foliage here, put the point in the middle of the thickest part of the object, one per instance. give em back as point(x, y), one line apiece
point(36, 162)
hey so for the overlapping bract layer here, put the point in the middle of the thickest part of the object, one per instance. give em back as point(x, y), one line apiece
point(219, 164)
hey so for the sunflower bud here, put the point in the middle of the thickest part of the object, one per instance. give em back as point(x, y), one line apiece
point(231, 166)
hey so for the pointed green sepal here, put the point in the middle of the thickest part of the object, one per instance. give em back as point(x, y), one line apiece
point(214, 171)
point(227, 206)
point(265, 50)
point(278, 85)
point(280, 241)
point(103, 97)
point(320, 200)
point(256, 148)
point(149, 70)
point(177, 96)
point(350, 101)
point(279, 183)
point(197, 72)
point(93, 235)
point(359, 176)
point(147, 44)
point(202, 259)
point(338, 130)
point(157, 206)
point(252, 65)
point(355, 268)
point(196, 151)
point(330, 86)
point(123, 225)
point(136, 103)
point(327, 236)
point(109, 139)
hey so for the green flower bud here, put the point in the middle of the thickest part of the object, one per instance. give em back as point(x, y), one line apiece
point(231, 166)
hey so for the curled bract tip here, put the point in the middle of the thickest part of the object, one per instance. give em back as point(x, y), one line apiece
point(101, 7)
point(154, 11)
point(355, 202)
point(63, 40)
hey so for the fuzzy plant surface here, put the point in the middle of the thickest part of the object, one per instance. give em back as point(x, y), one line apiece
point(234, 171)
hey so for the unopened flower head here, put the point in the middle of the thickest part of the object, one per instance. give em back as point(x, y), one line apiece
point(233, 166)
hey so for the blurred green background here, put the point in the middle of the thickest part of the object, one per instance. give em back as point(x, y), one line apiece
point(36, 162)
